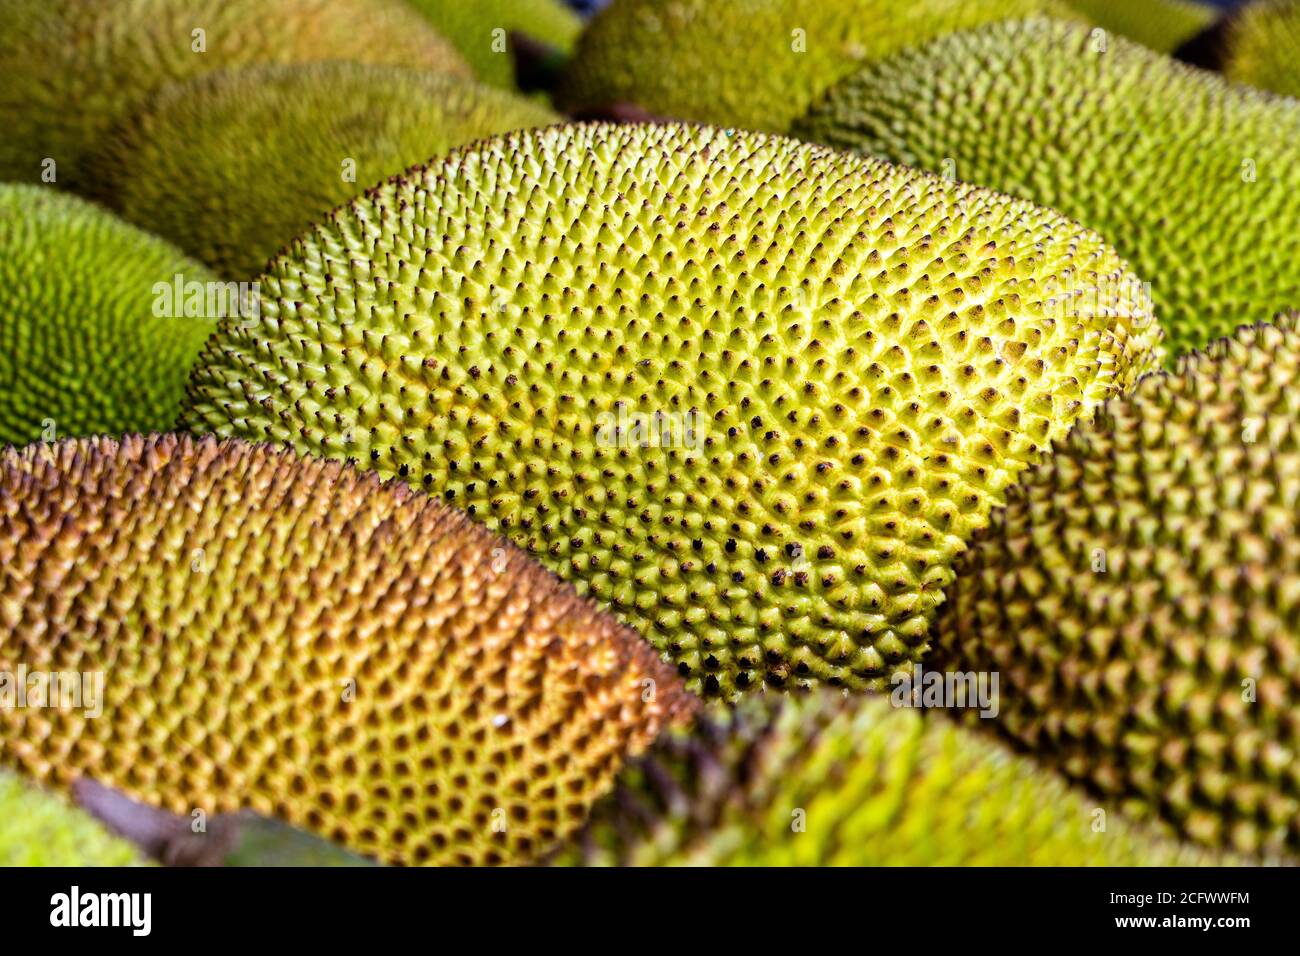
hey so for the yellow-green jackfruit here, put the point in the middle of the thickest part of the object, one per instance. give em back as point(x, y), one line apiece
point(1195, 181)
point(93, 337)
point(1140, 598)
point(250, 630)
point(821, 779)
point(74, 68)
point(39, 828)
point(1160, 25)
point(1261, 46)
point(481, 28)
point(752, 393)
point(234, 165)
point(755, 64)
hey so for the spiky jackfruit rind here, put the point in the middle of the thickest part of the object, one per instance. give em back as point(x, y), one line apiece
point(87, 343)
point(1160, 25)
point(1260, 45)
point(825, 780)
point(75, 68)
point(41, 828)
point(758, 65)
point(1140, 598)
point(233, 165)
point(296, 638)
point(752, 393)
point(481, 28)
point(1194, 180)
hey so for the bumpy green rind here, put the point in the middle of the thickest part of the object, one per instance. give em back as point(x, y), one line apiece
point(1140, 598)
point(824, 780)
point(74, 68)
point(1160, 25)
point(753, 393)
point(1261, 46)
point(756, 65)
point(90, 342)
point(232, 166)
point(1195, 181)
point(39, 828)
point(479, 28)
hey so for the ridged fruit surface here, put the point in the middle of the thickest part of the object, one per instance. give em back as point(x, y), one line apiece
point(481, 28)
point(232, 166)
point(1195, 181)
point(297, 638)
point(1140, 598)
point(74, 68)
point(1160, 25)
point(756, 64)
point(89, 343)
point(754, 394)
point(1261, 46)
point(824, 780)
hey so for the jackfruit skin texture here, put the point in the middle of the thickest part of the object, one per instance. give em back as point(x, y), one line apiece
point(1160, 25)
point(75, 68)
point(296, 638)
point(1195, 181)
point(232, 166)
point(471, 25)
point(851, 361)
point(81, 350)
point(745, 63)
point(825, 780)
point(1140, 598)
point(39, 828)
point(1261, 46)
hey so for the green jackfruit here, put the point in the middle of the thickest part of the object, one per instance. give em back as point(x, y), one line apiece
point(480, 28)
point(752, 393)
point(1261, 46)
point(826, 780)
point(1140, 598)
point(298, 639)
point(1161, 25)
point(74, 68)
point(232, 166)
point(41, 829)
point(87, 343)
point(756, 64)
point(1194, 180)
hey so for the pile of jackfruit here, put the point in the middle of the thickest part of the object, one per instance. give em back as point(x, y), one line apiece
point(724, 432)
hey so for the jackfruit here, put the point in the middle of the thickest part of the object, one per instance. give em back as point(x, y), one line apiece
point(1261, 46)
point(1160, 25)
point(480, 29)
point(87, 344)
point(756, 64)
point(825, 780)
point(296, 638)
point(752, 393)
point(38, 828)
point(1194, 180)
point(232, 166)
point(1140, 598)
point(75, 68)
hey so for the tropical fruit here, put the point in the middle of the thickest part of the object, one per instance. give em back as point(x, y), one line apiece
point(1160, 25)
point(251, 630)
point(752, 393)
point(232, 166)
point(39, 828)
point(481, 28)
point(93, 337)
point(1140, 598)
point(75, 68)
point(1260, 45)
point(1195, 181)
point(821, 779)
point(756, 64)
